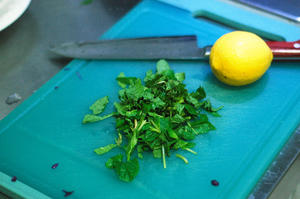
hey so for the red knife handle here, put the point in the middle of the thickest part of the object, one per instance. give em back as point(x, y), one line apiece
point(284, 44)
point(285, 50)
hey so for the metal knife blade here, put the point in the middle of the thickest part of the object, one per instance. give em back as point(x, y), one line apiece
point(175, 47)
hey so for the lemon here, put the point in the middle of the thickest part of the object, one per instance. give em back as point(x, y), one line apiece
point(240, 58)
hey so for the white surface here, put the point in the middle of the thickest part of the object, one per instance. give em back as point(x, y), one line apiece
point(11, 10)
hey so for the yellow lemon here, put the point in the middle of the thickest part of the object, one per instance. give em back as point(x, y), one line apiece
point(239, 58)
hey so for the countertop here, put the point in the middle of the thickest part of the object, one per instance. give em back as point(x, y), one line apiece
point(26, 64)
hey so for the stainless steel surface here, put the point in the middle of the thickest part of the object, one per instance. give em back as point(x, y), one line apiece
point(207, 51)
point(279, 167)
point(288, 8)
point(176, 47)
point(26, 64)
point(293, 54)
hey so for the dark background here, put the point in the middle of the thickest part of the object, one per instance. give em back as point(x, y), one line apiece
point(25, 62)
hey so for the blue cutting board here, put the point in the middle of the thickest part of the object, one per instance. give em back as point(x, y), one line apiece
point(256, 120)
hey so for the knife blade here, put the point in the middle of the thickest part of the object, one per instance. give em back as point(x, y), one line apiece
point(171, 47)
point(175, 47)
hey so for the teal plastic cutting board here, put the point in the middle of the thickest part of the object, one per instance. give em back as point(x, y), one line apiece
point(256, 120)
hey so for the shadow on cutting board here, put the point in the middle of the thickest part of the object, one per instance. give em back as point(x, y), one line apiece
point(232, 94)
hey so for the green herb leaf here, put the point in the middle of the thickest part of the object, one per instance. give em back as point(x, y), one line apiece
point(181, 144)
point(149, 76)
point(204, 128)
point(157, 152)
point(120, 109)
point(120, 82)
point(132, 113)
point(157, 103)
point(155, 115)
point(191, 109)
point(114, 161)
point(162, 66)
point(150, 136)
point(199, 94)
point(140, 151)
point(99, 105)
point(172, 134)
point(105, 149)
point(206, 105)
point(179, 108)
point(135, 90)
point(192, 101)
point(202, 125)
point(124, 81)
point(180, 76)
point(94, 118)
point(159, 116)
point(177, 119)
point(186, 133)
point(128, 170)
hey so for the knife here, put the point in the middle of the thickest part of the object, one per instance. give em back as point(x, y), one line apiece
point(174, 47)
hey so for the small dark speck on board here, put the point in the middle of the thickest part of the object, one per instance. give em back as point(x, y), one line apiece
point(215, 183)
point(54, 166)
point(14, 179)
point(67, 193)
point(78, 75)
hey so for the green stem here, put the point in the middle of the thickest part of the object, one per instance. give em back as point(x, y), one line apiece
point(183, 158)
point(142, 124)
point(157, 127)
point(163, 156)
point(135, 124)
point(192, 128)
point(107, 116)
point(161, 82)
point(155, 130)
point(131, 145)
point(119, 140)
point(190, 150)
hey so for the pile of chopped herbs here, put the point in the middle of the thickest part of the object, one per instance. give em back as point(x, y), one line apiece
point(158, 116)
